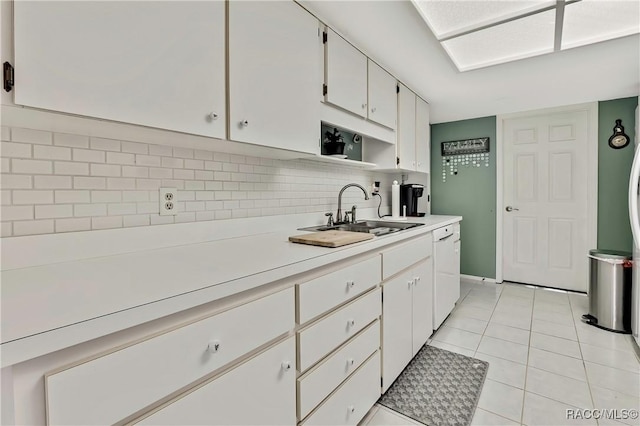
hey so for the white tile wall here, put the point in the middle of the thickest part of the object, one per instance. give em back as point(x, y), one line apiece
point(57, 182)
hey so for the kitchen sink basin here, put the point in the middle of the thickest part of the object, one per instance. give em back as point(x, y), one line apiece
point(376, 227)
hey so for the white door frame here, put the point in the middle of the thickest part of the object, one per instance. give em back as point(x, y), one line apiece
point(592, 170)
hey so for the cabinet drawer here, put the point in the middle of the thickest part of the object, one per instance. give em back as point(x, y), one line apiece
point(330, 332)
point(322, 380)
point(324, 293)
point(351, 402)
point(401, 257)
point(112, 387)
point(260, 391)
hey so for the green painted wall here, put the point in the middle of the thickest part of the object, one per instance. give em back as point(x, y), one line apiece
point(614, 166)
point(470, 194)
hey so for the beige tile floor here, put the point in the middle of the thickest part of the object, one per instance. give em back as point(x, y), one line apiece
point(543, 359)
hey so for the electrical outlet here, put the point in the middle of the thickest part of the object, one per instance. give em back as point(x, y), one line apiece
point(168, 198)
point(375, 187)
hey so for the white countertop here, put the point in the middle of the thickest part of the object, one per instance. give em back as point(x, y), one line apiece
point(55, 305)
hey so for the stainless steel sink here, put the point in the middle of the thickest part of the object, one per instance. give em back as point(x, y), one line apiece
point(376, 227)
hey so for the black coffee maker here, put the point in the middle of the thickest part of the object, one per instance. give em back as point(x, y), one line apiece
point(409, 194)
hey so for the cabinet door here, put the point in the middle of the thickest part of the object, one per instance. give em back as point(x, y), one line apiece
point(422, 303)
point(260, 391)
point(406, 129)
point(274, 75)
point(383, 99)
point(345, 75)
point(158, 64)
point(423, 137)
point(397, 337)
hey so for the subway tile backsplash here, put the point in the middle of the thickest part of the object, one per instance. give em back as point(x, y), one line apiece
point(59, 182)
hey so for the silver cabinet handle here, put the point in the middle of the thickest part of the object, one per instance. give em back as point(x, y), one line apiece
point(352, 409)
point(286, 365)
point(373, 109)
point(244, 123)
point(214, 346)
point(350, 284)
point(351, 322)
point(510, 209)
point(350, 361)
point(409, 283)
point(212, 116)
point(364, 106)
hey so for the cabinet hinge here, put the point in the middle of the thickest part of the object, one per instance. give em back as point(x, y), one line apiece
point(397, 88)
point(324, 37)
point(428, 198)
point(381, 382)
point(8, 76)
point(324, 90)
point(397, 161)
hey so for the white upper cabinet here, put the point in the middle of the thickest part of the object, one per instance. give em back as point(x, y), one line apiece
point(157, 64)
point(406, 143)
point(423, 137)
point(414, 133)
point(345, 75)
point(383, 100)
point(273, 75)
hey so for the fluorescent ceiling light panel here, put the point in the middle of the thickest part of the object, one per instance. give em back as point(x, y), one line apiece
point(522, 38)
point(448, 18)
point(592, 21)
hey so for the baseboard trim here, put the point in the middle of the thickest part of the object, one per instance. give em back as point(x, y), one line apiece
point(479, 279)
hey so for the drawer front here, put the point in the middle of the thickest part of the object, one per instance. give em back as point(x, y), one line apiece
point(456, 231)
point(323, 337)
point(401, 257)
point(258, 392)
point(114, 386)
point(351, 402)
point(324, 293)
point(322, 380)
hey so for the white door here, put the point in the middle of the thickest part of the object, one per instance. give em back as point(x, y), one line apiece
point(383, 100)
point(158, 64)
point(423, 137)
point(274, 75)
point(261, 391)
point(397, 337)
point(545, 235)
point(345, 75)
point(406, 142)
point(422, 310)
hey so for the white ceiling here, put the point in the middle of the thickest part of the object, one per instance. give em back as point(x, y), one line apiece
point(393, 34)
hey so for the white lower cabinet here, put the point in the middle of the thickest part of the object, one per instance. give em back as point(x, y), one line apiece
point(320, 381)
point(260, 391)
point(353, 399)
point(115, 386)
point(406, 318)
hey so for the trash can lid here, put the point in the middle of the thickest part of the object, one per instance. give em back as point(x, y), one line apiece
point(610, 254)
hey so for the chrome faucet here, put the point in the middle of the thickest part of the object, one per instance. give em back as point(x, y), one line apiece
point(339, 212)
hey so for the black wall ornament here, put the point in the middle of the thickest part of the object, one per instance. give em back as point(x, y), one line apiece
point(619, 139)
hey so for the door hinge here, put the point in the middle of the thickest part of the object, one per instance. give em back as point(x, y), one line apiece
point(397, 161)
point(397, 88)
point(324, 37)
point(324, 90)
point(8, 76)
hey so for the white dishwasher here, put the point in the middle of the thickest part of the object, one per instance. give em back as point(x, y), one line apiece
point(446, 279)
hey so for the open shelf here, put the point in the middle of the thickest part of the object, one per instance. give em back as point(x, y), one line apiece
point(343, 161)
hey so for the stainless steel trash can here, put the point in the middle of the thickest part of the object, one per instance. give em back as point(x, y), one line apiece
point(610, 290)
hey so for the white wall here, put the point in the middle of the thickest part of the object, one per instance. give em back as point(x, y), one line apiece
point(61, 182)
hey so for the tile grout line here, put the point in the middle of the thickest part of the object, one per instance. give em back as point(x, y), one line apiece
point(526, 370)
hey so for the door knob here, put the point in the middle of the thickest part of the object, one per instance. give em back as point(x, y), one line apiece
point(510, 209)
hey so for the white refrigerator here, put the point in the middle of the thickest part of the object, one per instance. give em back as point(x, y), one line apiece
point(634, 218)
